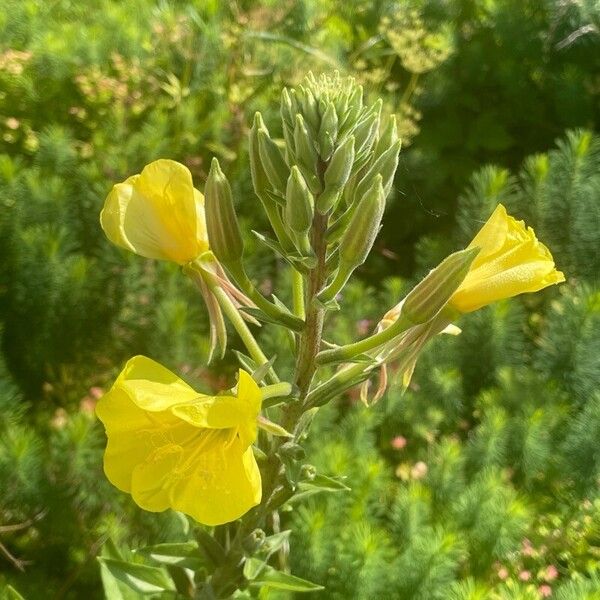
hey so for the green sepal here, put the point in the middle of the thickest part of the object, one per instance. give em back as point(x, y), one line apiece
point(273, 428)
point(140, 578)
point(248, 364)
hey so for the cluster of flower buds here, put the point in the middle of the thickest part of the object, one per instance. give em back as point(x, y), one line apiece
point(337, 162)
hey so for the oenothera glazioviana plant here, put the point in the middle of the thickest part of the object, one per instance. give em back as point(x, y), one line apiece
point(324, 192)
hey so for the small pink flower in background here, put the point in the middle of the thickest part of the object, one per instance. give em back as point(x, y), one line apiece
point(87, 405)
point(363, 326)
point(13, 123)
point(96, 392)
point(551, 573)
point(527, 548)
point(525, 575)
point(503, 573)
point(398, 442)
point(419, 470)
point(545, 591)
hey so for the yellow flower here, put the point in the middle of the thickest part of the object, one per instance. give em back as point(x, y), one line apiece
point(157, 214)
point(171, 447)
point(511, 261)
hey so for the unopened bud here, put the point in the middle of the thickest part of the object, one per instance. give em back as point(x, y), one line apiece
point(328, 131)
point(224, 234)
point(308, 472)
point(272, 160)
point(254, 541)
point(388, 136)
point(355, 107)
point(384, 165)
point(260, 180)
point(337, 175)
point(299, 203)
point(309, 108)
point(306, 154)
point(357, 240)
point(359, 237)
point(429, 296)
point(366, 130)
point(287, 118)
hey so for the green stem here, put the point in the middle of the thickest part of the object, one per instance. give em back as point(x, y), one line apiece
point(348, 352)
point(240, 326)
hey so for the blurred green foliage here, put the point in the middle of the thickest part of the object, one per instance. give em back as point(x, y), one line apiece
point(480, 481)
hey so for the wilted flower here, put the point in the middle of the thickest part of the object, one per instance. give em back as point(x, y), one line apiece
point(171, 447)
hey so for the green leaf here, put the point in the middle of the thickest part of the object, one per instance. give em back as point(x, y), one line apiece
point(113, 588)
point(207, 544)
point(185, 554)
point(140, 578)
point(274, 542)
point(253, 567)
point(273, 578)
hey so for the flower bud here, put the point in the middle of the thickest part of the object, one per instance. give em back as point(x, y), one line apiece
point(358, 238)
point(223, 229)
point(357, 241)
point(388, 136)
point(366, 130)
point(299, 207)
point(429, 296)
point(328, 131)
point(309, 108)
point(384, 165)
point(306, 155)
point(253, 542)
point(288, 113)
point(337, 174)
point(355, 107)
point(272, 160)
point(260, 180)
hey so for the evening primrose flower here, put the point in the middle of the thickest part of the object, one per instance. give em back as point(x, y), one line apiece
point(511, 261)
point(157, 214)
point(172, 447)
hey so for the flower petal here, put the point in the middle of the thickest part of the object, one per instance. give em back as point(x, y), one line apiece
point(223, 484)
